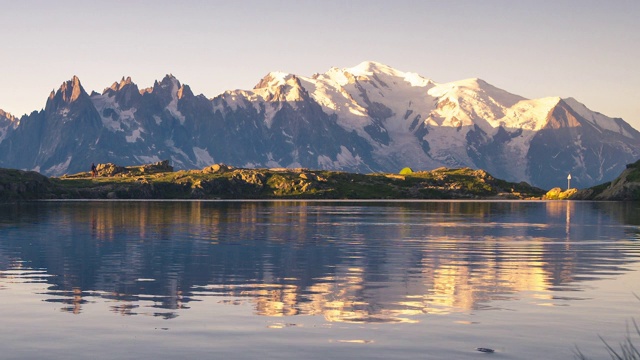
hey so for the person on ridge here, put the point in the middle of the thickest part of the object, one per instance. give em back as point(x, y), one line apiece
point(94, 171)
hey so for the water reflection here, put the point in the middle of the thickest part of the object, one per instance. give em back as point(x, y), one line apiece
point(355, 262)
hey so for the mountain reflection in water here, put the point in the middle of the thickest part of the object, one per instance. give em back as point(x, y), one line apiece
point(346, 261)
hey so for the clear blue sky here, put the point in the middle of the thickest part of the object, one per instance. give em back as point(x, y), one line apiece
point(586, 49)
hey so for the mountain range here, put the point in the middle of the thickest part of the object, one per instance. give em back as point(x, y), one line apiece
point(367, 118)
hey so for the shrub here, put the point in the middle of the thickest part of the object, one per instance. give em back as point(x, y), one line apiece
point(627, 351)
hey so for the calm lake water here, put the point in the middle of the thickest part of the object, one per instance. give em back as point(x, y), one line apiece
point(316, 280)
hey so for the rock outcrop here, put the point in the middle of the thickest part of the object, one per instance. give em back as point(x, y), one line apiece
point(559, 194)
point(25, 185)
point(109, 169)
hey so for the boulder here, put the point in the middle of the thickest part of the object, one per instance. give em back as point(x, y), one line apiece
point(109, 169)
point(216, 168)
point(158, 167)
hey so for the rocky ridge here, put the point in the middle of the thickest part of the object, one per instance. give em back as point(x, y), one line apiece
point(219, 181)
point(625, 187)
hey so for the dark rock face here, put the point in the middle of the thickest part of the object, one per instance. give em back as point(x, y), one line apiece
point(126, 93)
point(57, 139)
point(489, 152)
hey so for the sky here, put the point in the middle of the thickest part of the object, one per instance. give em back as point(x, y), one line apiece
point(589, 50)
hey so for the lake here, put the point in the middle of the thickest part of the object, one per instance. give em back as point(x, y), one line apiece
point(317, 280)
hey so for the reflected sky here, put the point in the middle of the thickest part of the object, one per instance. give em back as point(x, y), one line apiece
point(355, 262)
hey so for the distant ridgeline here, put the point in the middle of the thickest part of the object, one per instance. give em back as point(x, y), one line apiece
point(364, 119)
point(219, 181)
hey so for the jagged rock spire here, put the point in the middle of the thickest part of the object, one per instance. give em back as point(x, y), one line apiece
point(69, 92)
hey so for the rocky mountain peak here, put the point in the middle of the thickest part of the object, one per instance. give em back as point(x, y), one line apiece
point(272, 79)
point(117, 86)
point(167, 82)
point(280, 86)
point(184, 91)
point(7, 116)
point(70, 91)
point(562, 116)
point(380, 74)
point(372, 68)
point(125, 91)
point(166, 89)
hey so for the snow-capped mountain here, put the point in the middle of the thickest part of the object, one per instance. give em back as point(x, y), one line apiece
point(367, 118)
